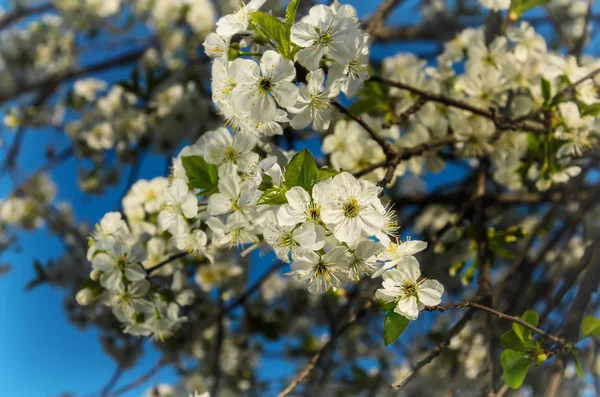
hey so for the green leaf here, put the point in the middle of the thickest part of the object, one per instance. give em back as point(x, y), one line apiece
point(273, 196)
point(266, 183)
point(277, 32)
point(324, 174)
point(515, 366)
point(519, 7)
point(386, 306)
point(372, 98)
point(546, 91)
point(511, 341)
point(524, 334)
point(201, 175)
point(393, 326)
point(301, 171)
point(290, 13)
point(590, 110)
point(366, 105)
point(590, 326)
point(578, 367)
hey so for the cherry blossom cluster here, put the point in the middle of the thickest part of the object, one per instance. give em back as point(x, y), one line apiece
point(516, 75)
point(235, 189)
point(332, 227)
point(254, 80)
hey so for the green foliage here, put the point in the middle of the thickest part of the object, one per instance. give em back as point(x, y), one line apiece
point(546, 91)
point(301, 171)
point(524, 334)
point(325, 173)
point(273, 196)
point(290, 13)
point(266, 184)
point(590, 110)
point(519, 7)
point(578, 367)
point(393, 326)
point(201, 175)
point(515, 365)
point(590, 326)
point(510, 341)
point(372, 98)
point(385, 306)
point(520, 350)
point(274, 31)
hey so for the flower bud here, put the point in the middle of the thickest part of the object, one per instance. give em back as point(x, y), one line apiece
point(95, 274)
point(85, 297)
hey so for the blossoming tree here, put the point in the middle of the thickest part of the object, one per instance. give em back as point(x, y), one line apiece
point(299, 168)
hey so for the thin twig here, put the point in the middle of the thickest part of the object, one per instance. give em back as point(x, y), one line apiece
point(514, 319)
point(385, 146)
point(253, 288)
point(436, 351)
point(580, 45)
point(315, 359)
point(170, 259)
point(142, 379)
point(112, 381)
point(51, 83)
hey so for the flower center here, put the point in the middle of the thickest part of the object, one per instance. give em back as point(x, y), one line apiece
point(264, 85)
point(121, 262)
point(314, 212)
point(325, 38)
point(409, 288)
point(230, 154)
point(351, 208)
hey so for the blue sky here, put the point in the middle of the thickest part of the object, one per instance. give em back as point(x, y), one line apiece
point(40, 353)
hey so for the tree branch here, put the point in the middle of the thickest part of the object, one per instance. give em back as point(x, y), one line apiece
point(514, 319)
point(500, 122)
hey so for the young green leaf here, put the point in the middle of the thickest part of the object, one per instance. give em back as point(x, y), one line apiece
point(515, 366)
point(290, 12)
point(277, 32)
point(273, 196)
point(324, 174)
point(301, 171)
point(201, 175)
point(511, 341)
point(590, 326)
point(590, 110)
point(266, 183)
point(519, 7)
point(578, 367)
point(546, 91)
point(523, 333)
point(393, 326)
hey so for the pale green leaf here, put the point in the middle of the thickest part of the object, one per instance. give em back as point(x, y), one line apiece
point(590, 326)
point(515, 366)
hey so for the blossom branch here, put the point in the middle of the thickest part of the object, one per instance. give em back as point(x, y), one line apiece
point(385, 146)
point(52, 83)
point(500, 122)
point(166, 262)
